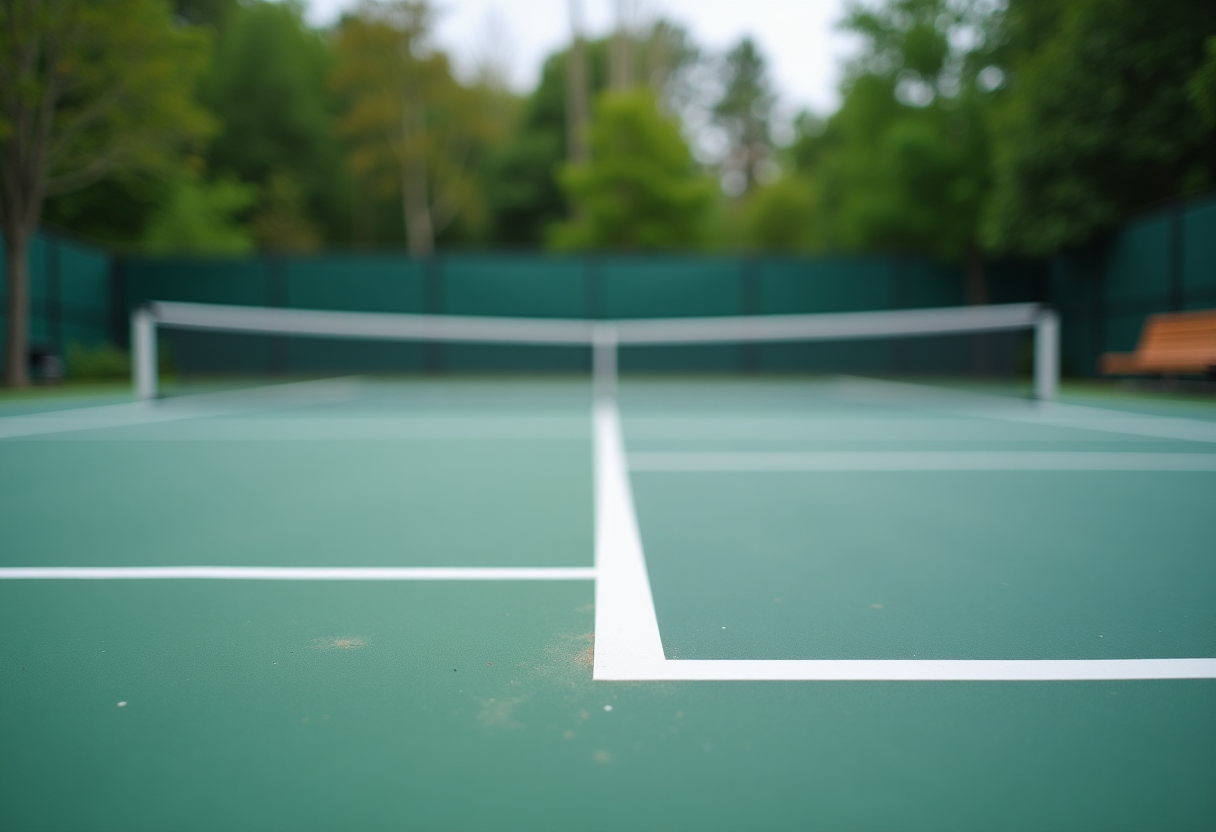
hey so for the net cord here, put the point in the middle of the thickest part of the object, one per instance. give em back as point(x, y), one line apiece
point(604, 337)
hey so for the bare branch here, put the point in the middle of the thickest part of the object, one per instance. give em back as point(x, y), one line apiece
point(87, 175)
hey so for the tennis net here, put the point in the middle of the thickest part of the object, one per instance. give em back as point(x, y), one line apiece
point(604, 338)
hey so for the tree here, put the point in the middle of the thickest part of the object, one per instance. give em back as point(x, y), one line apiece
point(411, 126)
point(1101, 118)
point(641, 189)
point(743, 112)
point(904, 164)
point(199, 218)
point(86, 89)
point(281, 223)
point(268, 88)
point(520, 174)
point(1203, 84)
point(783, 215)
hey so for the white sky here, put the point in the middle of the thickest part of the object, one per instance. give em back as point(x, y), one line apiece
point(798, 37)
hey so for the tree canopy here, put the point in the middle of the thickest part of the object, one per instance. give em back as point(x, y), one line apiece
point(966, 129)
point(1105, 115)
point(640, 191)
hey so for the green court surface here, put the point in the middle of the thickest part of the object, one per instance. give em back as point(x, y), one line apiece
point(880, 606)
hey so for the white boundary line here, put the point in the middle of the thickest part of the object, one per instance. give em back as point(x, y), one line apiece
point(793, 461)
point(300, 573)
point(902, 394)
point(291, 394)
point(626, 627)
point(628, 646)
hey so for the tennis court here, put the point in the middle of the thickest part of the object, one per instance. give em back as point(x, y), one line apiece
point(508, 603)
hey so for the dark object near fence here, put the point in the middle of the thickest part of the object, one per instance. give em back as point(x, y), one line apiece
point(46, 365)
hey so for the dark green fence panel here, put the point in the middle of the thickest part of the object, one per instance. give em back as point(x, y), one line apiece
point(85, 296)
point(241, 281)
point(526, 286)
point(358, 283)
point(70, 297)
point(828, 284)
point(1199, 256)
point(352, 283)
point(674, 286)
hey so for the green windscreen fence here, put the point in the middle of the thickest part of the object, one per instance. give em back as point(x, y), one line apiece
point(1161, 261)
point(72, 301)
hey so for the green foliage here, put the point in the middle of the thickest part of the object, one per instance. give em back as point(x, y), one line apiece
point(101, 361)
point(520, 175)
point(1101, 119)
point(903, 165)
point(268, 86)
point(784, 216)
point(97, 88)
point(640, 190)
point(281, 222)
point(201, 218)
point(1203, 84)
point(411, 128)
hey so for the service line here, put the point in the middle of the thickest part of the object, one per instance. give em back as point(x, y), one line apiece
point(300, 573)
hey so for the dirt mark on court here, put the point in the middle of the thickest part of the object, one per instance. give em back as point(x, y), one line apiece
point(339, 643)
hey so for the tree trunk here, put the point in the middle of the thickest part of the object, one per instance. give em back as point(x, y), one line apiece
point(417, 205)
point(415, 199)
point(17, 306)
point(618, 58)
point(576, 91)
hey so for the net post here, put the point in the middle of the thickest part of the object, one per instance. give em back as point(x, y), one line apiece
point(143, 349)
point(604, 355)
point(1046, 354)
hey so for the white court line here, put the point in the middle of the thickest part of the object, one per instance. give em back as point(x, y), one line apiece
point(300, 573)
point(292, 394)
point(961, 403)
point(350, 429)
point(628, 646)
point(732, 461)
point(882, 430)
point(916, 670)
point(626, 627)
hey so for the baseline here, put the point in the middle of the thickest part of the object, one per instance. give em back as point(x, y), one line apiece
point(293, 573)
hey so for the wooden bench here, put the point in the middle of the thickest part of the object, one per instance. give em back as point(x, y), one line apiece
point(1177, 343)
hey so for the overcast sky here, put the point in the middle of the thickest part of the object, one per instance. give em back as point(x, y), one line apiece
point(797, 36)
